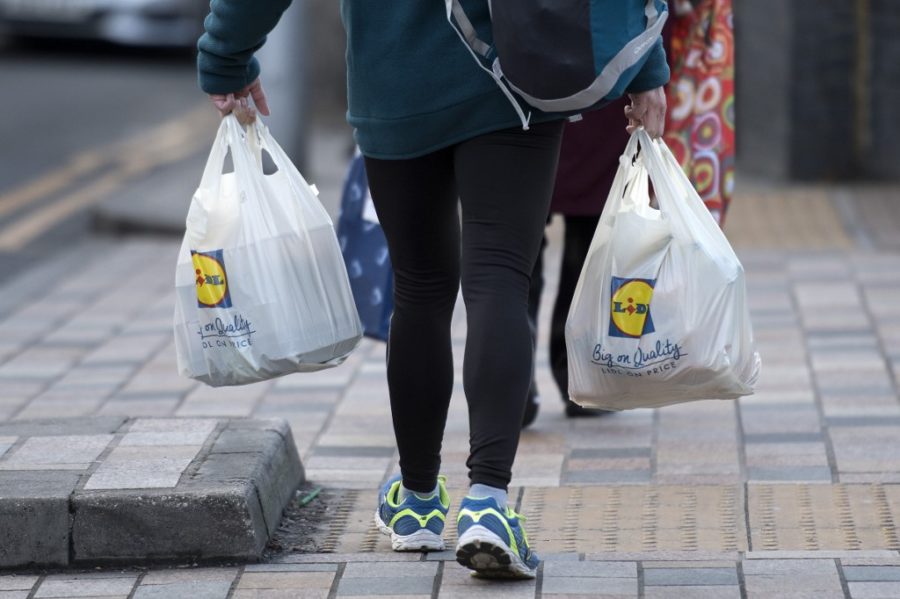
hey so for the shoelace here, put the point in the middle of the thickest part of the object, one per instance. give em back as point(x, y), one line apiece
point(511, 513)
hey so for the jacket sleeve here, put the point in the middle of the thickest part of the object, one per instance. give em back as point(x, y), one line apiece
point(655, 72)
point(235, 30)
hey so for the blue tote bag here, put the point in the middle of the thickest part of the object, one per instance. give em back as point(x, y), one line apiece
point(365, 253)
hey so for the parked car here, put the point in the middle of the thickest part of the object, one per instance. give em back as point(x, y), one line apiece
point(175, 23)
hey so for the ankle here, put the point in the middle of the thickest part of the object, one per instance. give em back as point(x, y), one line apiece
point(403, 493)
point(480, 491)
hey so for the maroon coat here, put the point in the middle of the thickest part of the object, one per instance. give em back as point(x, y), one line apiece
point(589, 159)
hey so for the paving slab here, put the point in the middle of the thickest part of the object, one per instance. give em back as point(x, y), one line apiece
point(196, 489)
point(187, 584)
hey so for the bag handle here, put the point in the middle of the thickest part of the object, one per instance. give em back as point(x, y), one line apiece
point(678, 200)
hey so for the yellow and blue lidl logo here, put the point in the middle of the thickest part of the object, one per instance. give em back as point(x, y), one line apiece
point(211, 280)
point(630, 307)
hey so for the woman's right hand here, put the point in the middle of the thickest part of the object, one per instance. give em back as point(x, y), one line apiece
point(239, 103)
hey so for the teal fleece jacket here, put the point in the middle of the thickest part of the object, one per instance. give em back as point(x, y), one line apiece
point(413, 87)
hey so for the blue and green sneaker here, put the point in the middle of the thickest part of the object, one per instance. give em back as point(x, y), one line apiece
point(414, 524)
point(492, 541)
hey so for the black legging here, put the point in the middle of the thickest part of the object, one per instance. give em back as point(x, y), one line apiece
point(504, 181)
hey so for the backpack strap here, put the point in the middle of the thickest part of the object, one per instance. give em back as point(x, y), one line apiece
point(483, 53)
point(468, 30)
point(478, 47)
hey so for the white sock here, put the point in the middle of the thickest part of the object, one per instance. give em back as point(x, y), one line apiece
point(481, 491)
point(404, 493)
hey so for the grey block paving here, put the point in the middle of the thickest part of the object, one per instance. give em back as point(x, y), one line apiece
point(17, 583)
point(606, 476)
point(704, 592)
point(874, 590)
point(187, 584)
point(85, 586)
point(148, 432)
point(783, 438)
point(355, 451)
point(407, 585)
point(272, 567)
point(401, 570)
point(816, 473)
point(690, 576)
point(67, 452)
point(828, 329)
point(96, 425)
point(143, 467)
point(576, 585)
point(872, 573)
point(590, 569)
point(806, 578)
point(185, 590)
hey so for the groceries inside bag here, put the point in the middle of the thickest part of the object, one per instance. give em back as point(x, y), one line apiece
point(660, 312)
point(261, 287)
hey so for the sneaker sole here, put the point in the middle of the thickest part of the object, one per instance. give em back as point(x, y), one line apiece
point(421, 540)
point(481, 550)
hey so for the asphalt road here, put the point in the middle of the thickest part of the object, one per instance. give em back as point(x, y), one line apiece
point(92, 134)
point(69, 114)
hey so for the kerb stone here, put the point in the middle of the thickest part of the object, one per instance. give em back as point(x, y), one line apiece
point(110, 526)
point(34, 518)
point(226, 505)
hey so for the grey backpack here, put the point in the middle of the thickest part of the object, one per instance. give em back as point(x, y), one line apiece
point(563, 56)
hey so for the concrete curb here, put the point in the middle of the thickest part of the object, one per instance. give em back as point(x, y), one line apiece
point(227, 501)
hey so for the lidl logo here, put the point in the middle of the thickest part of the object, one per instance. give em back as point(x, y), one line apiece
point(630, 307)
point(211, 280)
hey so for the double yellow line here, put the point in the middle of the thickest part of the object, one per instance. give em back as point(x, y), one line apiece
point(123, 162)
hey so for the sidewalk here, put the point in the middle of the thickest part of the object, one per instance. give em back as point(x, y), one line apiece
point(793, 492)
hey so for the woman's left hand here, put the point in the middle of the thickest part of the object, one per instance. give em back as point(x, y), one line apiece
point(647, 110)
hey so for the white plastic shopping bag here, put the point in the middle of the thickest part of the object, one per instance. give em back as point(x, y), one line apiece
point(261, 287)
point(660, 313)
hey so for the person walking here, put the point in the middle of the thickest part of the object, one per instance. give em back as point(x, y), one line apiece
point(699, 41)
point(436, 132)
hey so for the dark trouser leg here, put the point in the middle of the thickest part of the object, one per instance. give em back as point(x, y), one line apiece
point(577, 241)
point(505, 181)
point(416, 202)
point(535, 290)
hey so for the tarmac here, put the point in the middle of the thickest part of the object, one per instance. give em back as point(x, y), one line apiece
point(793, 492)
